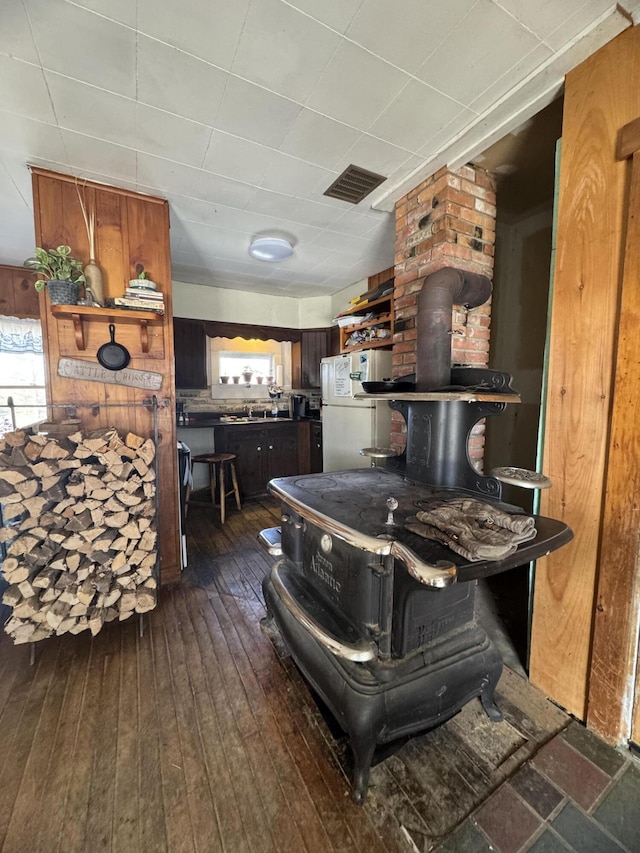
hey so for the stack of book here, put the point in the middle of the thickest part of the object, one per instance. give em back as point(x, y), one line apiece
point(141, 299)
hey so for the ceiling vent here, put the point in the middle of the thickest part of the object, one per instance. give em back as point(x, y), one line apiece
point(354, 184)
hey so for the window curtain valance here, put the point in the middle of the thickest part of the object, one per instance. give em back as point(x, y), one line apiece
point(217, 329)
point(20, 335)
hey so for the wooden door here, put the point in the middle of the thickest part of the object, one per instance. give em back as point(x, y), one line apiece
point(601, 95)
point(131, 230)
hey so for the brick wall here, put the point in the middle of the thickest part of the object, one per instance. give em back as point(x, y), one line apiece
point(447, 221)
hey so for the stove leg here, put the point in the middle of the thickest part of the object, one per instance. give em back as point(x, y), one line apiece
point(487, 697)
point(363, 749)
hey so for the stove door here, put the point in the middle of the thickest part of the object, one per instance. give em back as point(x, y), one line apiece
point(354, 582)
point(325, 623)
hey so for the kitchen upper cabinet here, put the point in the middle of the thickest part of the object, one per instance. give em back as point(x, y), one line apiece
point(18, 295)
point(191, 353)
point(315, 344)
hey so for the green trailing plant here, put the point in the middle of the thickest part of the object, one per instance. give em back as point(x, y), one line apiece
point(55, 264)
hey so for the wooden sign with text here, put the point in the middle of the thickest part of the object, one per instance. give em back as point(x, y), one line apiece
point(88, 371)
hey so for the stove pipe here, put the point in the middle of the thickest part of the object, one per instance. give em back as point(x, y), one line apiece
point(440, 292)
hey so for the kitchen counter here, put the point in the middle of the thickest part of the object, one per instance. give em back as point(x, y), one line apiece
point(288, 449)
point(204, 423)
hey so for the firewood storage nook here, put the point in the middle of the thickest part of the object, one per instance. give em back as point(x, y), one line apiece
point(80, 531)
point(132, 232)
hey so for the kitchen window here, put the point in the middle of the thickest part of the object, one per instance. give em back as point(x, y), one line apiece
point(231, 356)
point(236, 363)
point(22, 388)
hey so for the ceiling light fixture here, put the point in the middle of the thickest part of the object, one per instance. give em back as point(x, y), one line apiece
point(270, 249)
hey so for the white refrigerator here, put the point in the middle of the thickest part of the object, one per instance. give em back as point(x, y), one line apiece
point(348, 425)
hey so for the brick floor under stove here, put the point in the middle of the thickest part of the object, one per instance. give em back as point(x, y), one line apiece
point(576, 794)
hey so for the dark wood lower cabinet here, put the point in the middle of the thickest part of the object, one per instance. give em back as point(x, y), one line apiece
point(262, 453)
point(315, 453)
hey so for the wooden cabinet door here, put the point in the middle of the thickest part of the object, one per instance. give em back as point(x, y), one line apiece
point(18, 296)
point(315, 345)
point(249, 446)
point(316, 448)
point(190, 344)
point(282, 451)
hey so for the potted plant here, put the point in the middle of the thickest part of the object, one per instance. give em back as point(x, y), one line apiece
point(247, 373)
point(143, 281)
point(62, 274)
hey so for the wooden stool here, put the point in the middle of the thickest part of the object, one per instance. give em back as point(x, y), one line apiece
point(217, 463)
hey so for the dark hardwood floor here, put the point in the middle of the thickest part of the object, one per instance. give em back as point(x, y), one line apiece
point(201, 734)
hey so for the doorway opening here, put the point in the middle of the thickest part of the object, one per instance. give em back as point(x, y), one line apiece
point(524, 165)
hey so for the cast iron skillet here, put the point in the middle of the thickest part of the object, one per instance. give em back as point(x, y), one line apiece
point(388, 386)
point(113, 356)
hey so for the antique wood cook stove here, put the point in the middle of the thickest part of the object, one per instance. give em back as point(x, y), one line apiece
point(381, 621)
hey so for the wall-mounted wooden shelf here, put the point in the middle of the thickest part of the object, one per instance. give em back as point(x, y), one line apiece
point(79, 314)
point(383, 312)
point(374, 344)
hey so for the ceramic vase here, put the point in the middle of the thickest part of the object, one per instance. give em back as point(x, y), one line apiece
point(94, 282)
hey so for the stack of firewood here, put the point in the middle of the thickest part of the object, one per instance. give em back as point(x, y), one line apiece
point(79, 517)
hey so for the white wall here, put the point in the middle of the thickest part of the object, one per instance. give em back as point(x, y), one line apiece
point(233, 306)
point(240, 306)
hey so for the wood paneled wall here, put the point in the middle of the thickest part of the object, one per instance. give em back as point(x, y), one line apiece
point(132, 229)
point(18, 296)
point(600, 97)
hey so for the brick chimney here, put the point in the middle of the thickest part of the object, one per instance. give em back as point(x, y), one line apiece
point(446, 221)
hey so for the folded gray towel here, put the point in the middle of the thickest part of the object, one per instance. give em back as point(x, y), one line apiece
point(474, 529)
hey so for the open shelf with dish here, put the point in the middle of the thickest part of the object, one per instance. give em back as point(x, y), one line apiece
point(368, 327)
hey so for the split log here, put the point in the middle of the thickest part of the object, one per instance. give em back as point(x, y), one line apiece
point(86, 592)
point(49, 595)
point(95, 618)
point(27, 607)
point(45, 578)
point(12, 476)
point(144, 601)
point(11, 595)
point(28, 488)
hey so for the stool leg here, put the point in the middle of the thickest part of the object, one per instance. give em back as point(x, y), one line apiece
point(234, 480)
point(222, 493)
point(212, 481)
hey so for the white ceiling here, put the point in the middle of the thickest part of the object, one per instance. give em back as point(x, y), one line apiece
point(242, 112)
